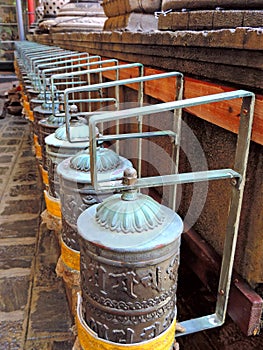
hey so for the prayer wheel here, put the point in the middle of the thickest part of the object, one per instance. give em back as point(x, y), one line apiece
point(129, 248)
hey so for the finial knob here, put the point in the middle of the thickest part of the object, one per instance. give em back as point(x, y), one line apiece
point(129, 176)
point(73, 109)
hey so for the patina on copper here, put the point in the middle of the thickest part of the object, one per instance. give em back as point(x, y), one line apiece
point(76, 192)
point(59, 148)
point(48, 124)
point(129, 248)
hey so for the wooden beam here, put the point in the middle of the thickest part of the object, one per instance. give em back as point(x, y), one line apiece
point(223, 114)
point(245, 305)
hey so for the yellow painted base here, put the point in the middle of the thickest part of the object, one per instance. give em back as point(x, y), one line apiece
point(31, 116)
point(38, 150)
point(44, 174)
point(70, 257)
point(24, 97)
point(53, 205)
point(89, 340)
point(26, 108)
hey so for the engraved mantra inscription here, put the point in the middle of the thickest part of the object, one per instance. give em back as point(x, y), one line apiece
point(132, 304)
point(126, 336)
point(127, 281)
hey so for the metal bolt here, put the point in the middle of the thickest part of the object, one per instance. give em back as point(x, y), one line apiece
point(245, 111)
point(129, 176)
point(233, 182)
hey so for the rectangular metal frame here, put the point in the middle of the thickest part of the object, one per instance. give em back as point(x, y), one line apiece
point(140, 80)
point(238, 173)
point(55, 63)
point(78, 73)
point(49, 68)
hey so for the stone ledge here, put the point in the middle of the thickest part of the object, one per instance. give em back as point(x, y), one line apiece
point(230, 56)
point(235, 38)
point(210, 20)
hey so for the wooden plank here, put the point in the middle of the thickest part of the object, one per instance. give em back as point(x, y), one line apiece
point(223, 114)
point(245, 305)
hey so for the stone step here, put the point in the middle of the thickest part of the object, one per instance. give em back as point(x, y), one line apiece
point(14, 286)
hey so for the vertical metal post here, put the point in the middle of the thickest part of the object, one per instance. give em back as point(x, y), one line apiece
point(241, 160)
point(177, 128)
point(19, 16)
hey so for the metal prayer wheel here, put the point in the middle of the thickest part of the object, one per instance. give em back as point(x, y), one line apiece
point(59, 148)
point(42, 113)
point(42, 106)
point(101, 226)
point(76, 195)
point(129, 248)
point(47, 126)
point(76, 191)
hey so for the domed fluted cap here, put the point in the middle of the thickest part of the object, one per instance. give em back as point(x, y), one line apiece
point(56, 119)
point(130, 222)
point(129, 213)
point(106, 160)
point(78, 131)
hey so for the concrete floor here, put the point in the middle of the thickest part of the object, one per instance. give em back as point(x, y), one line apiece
point(34, 312)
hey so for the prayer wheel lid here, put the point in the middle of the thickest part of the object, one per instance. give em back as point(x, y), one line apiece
point(54, 120)
point(130, 222)
point(77, 168)
point(106, 160)
point(79, 130)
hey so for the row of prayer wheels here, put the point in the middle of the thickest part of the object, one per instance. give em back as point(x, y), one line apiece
point(119, 252)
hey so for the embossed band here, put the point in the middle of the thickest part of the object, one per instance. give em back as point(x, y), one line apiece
point(90, 341)
point(70, 257)
point(53, 205)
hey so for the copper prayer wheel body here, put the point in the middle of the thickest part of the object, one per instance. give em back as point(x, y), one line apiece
point(129, 248)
